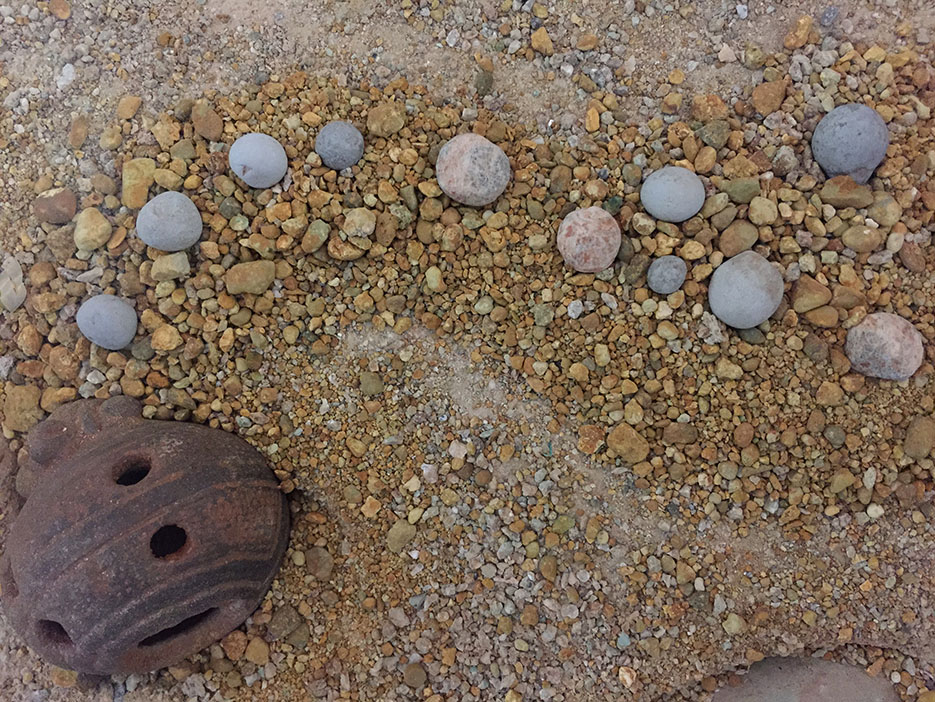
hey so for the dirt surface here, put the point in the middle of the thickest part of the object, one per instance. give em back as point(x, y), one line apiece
point(540, 563)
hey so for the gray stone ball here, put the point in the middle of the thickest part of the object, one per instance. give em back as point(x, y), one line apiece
point(850, 140)
point(745, 290)
point(258, 160)
point(169, 222)
point(666, 275)
point(340, 145)
point(108, 321)
point(672, 194)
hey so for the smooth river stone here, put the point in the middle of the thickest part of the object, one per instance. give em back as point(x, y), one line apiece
point(588, 239)
point(672, 194)
point(108, 321)
point(885, 346)
point(169, 222)
point(258, 160)
point(666, 275)
point(850, 140)
point(339, 144)
point(472, 170)
point(745, 290)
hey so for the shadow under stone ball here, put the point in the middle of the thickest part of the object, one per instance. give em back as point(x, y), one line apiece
point(258, 160)
point(140, 541)
point(850, 140)
point(339, 144)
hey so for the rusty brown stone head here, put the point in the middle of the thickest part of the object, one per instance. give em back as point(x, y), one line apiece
point(140, 541)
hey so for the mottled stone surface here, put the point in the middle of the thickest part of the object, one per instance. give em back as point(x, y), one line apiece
point(472, 170)
point(108, 321)
point(672, 194)
point(589, 239)
point(885, 346)
point(258, 160)
point(850, 140)
point(340, 145)
point(666, 275)
point(745, 290)
point(807, 680)
point(169, 222)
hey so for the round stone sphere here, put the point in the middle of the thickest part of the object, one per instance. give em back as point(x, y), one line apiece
point(108, 321)
point(340, 145)
point(141, 542)
point(589, 239)
point(885, 346)
point(666, 275)
point(169, 222)
point(258, 160)
point(850, 140)
point(745, 290)
point(672, 194)
point(472, 170)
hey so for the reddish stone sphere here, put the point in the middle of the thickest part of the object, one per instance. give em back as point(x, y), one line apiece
point(589, 239)
point(885, 346)
point(140, 541)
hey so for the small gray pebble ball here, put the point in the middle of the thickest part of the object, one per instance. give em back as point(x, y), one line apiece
point(745, 290)
point(108, 321)
point(258, 160)
point(339, 144)
point(169, 222)
point(672, 194)
point(666, 275)
point(852, 140)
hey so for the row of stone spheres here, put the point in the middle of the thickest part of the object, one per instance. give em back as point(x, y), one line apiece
point(744, 291)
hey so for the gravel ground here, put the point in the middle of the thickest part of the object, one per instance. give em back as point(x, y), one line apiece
point(508, 481)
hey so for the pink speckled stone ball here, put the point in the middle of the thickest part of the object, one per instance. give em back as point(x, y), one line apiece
point(885, 346)
point(589, 239)
point(472, 170)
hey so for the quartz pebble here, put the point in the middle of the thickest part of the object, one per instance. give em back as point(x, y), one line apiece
point(885, 346)
point(588, 239)
point(169, 222)
point(108, 321)
point(666, 275)
point(12, 289)
point(745, 290)
point(258, 160)
point(340, 145)
point(850, 140)
point(472, 170)
point(672, 194)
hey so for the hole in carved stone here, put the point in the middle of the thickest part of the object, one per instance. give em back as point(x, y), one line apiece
point(53, 633)
point(183, 627)
point(168, 540)
point(132, 471)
